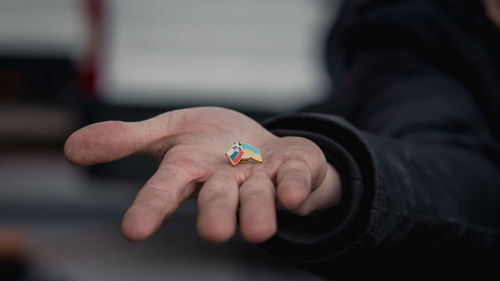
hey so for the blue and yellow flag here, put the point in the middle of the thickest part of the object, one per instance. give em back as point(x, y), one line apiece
point(250, 152)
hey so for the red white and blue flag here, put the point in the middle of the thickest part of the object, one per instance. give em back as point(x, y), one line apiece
point(234, 154)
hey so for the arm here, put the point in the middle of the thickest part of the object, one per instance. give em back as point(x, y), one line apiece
point(421, 163)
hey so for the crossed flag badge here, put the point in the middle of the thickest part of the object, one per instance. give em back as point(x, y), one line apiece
point(242, 152)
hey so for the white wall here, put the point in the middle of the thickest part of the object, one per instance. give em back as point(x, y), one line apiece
point(41, 26)
point(253, 53)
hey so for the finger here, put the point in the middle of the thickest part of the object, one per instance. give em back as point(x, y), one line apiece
point(217, 205)
point(112, 140)
point(257, 210)
point(294, 182)
point(159, 198)
point(327, 195)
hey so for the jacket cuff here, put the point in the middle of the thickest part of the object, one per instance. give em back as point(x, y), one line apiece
point(343, 228)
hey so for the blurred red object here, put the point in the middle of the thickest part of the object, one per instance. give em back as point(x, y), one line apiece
point(13, 244)
point(15, 258)
point(89, 65)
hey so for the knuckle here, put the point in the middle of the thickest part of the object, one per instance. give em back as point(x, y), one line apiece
point(219, 186)
point(250, 193)
point(296, 178)
point(296, 163)
point(153, 188)
point(188, 169)
point(295, 167)
point(222, 177)
point(259, 171)
point(303, 149)
point(257, 193)
point(160, 194)
point(223, 174)
point(295, 171)
point(157, 198)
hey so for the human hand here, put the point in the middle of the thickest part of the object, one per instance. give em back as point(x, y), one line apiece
point(189, 145)
point(492, 9)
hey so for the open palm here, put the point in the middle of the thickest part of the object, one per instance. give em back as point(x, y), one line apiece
point(188, 146)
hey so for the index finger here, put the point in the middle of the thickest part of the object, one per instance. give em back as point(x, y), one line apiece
point(111, 140)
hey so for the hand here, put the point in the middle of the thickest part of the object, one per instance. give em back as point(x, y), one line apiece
point(189, 145)
point(492, 9)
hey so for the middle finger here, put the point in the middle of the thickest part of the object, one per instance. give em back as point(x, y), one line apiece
point(217, 205)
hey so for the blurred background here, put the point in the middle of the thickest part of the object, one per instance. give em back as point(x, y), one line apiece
point(67, 63)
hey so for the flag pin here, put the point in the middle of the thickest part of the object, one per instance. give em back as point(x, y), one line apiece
point(242, 152)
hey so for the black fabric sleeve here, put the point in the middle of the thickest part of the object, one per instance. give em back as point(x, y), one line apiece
point(418, 158)
point(337, 229)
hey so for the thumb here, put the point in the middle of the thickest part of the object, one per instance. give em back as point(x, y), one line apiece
point(112, 140)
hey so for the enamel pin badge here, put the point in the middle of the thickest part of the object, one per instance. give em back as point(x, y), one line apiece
point(242, 152)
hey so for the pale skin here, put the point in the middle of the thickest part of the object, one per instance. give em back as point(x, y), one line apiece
point(492, 9)
point(189, 145)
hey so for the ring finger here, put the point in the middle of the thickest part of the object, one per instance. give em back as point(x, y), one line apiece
point(257, 210)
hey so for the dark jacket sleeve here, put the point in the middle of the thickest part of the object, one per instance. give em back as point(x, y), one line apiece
point(418, 158)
